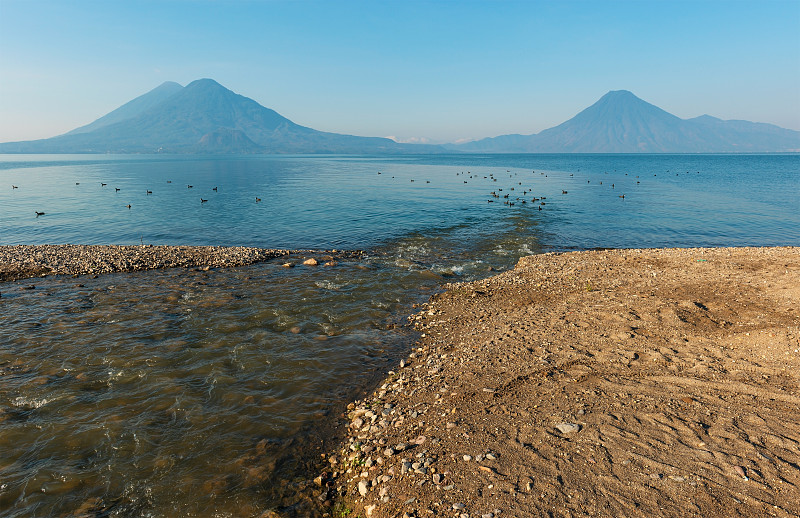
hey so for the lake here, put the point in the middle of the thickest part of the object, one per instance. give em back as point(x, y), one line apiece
point(185, 393)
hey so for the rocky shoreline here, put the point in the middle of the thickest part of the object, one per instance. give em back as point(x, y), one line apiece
point(26, 261)
point(603, 383)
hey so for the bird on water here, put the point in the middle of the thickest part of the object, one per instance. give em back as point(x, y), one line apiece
point(39, 213)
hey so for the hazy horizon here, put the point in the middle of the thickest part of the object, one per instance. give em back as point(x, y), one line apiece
point(415, 71)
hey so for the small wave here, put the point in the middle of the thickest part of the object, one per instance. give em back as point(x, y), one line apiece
point(330, 285)
point(525, 249)
point(26, 402)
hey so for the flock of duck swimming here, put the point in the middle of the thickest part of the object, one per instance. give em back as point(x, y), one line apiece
point(508, 197)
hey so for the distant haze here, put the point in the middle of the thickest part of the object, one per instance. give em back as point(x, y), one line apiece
point(419, 71)
point(205, 117)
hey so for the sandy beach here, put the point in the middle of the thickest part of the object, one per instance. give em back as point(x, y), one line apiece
point(657, 382)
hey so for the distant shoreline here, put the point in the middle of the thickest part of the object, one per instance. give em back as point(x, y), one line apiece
point(27, 261)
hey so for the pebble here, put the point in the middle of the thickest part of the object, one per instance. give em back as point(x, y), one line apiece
point(363, 488)
point(467, 458)
point(459, 506)
point(566, 428)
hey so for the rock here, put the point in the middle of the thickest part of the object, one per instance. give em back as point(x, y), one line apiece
point(467, 458)
point(388, 452)
point(363, 487)
point(566, 428)
point(311, 262)
point(369, 509)
point(438, 478)
point(459, 506)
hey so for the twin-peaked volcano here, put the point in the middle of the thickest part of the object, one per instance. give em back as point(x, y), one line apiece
point(205, 117)
point(620, 122)
point(202, 117)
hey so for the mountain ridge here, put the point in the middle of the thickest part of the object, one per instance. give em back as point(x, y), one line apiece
point(620, 122)
point(206, 117)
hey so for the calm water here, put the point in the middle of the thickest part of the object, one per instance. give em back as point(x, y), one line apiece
point(184, 393)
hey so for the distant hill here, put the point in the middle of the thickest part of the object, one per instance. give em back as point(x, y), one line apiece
point(620, 122)
point(203, 117)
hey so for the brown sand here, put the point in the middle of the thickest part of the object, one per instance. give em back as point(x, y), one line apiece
point(676, 370)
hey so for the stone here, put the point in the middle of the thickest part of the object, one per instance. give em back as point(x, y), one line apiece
point(363, 487)
point(388, 452)
point(458, 506)
point(467, 458)
point(566, 428)
point(311, 262)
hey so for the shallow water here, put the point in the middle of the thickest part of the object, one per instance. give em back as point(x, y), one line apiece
point(186, 393)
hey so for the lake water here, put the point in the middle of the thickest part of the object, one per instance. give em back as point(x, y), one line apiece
point(186, 393)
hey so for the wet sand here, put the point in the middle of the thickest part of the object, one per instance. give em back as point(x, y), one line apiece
point(657, 382)
point(26, 261)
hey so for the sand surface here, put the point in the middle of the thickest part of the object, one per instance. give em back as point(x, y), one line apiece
point(610, 383)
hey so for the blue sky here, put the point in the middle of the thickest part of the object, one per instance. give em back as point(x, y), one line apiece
point(443, 71)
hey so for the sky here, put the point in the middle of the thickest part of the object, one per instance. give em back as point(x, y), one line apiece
point(424, 71)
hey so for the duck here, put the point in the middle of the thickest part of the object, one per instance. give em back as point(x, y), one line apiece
point(116, 189)
point(129, 206)
point(39, 213)
point(14, 187)
point(202, 200)
point(214, 189)
point(258, 199)
point(189, 186)
point(149, 192)
point(103, 184)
